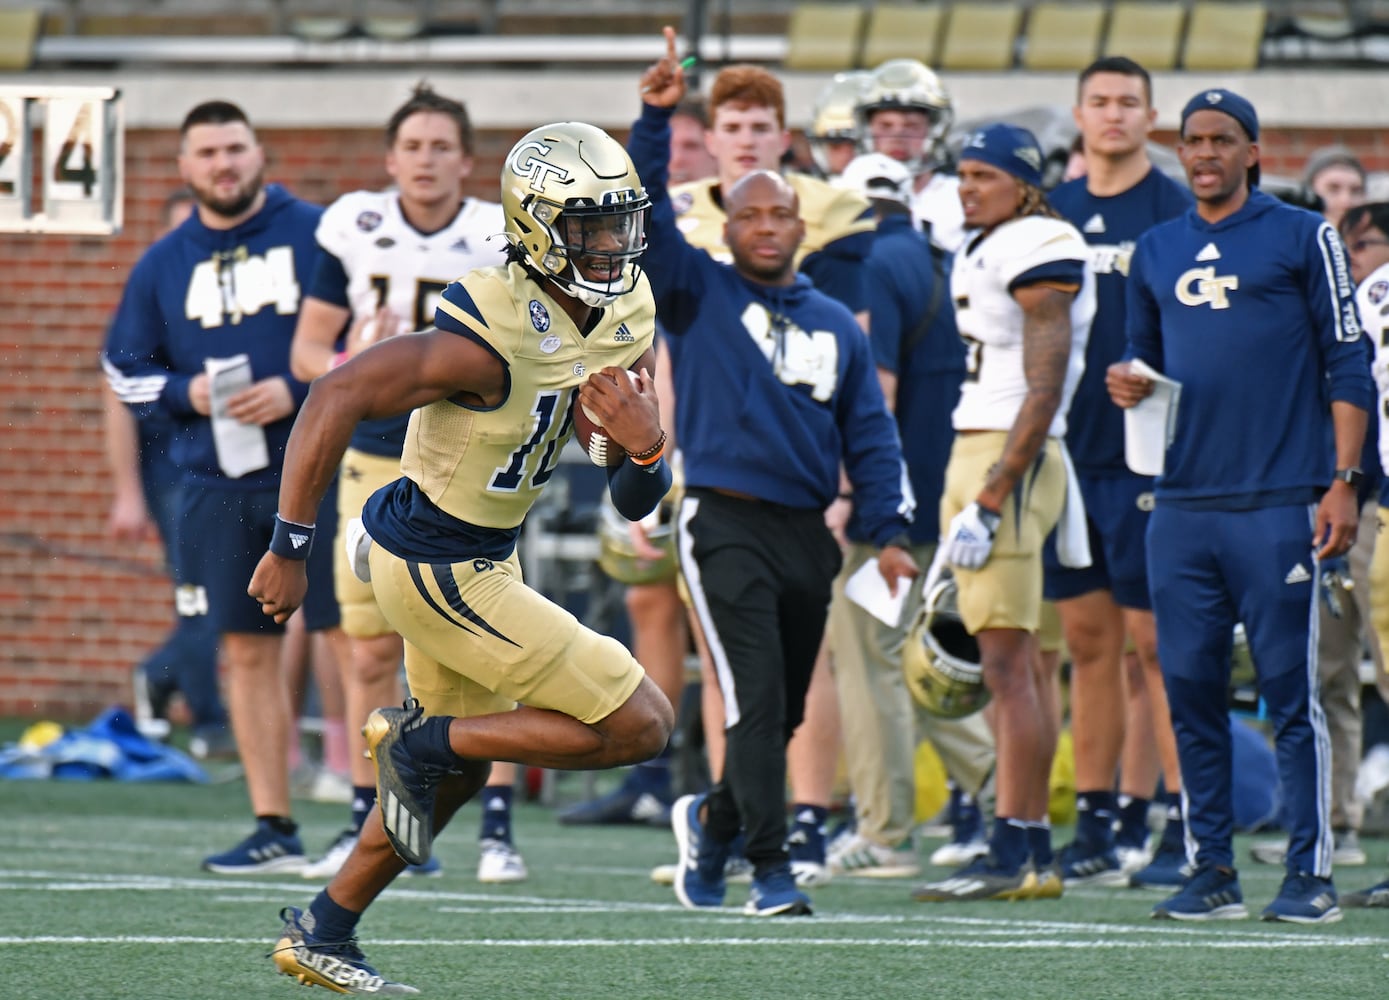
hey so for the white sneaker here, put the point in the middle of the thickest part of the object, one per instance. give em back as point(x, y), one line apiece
point(859, 856)
point(1132, 859)
point(957, 854)
point(327, 866)
point(329, 786)
point(500, 862)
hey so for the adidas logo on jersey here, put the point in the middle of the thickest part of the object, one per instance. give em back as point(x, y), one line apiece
point(1095, 224)
point(460, 245)
point(1298, 574)
point(624, 335)
point(1209, 252)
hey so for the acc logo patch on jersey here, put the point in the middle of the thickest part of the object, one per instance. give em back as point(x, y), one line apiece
point(682, 202)
point(540, 317)
point(1377, 292)
point(368, 221)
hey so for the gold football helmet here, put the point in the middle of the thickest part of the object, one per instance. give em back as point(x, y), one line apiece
point(941, 660)
point(618, 558)
point(576, 209)
point(834, 118)
point(909, 85)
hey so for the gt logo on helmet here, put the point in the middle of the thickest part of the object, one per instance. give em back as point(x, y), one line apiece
point(535, 171)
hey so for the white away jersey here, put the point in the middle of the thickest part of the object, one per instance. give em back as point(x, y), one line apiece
point(1372, 301)
point(990, 320)
point(937, 205)
point(389, 262)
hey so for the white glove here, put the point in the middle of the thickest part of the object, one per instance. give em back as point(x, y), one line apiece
point(971, 536)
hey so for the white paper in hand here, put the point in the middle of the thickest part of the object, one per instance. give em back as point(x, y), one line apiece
point(1150, 423)
point(241, 447)
point(868, 590)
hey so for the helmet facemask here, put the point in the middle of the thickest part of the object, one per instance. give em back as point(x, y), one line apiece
point(594, 248)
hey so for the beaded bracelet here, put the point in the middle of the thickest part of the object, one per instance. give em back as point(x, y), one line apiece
point(651, 455)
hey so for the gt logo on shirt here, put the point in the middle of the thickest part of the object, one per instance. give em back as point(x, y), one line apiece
point(236, 284)
point(1201, 286)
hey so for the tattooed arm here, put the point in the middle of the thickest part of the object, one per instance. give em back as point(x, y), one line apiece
point(1046, 354)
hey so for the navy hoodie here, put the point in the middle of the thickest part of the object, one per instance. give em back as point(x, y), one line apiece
point(203, 293)
point(774, 384)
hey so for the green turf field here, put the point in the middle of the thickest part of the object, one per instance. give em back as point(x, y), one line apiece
point(102, 898)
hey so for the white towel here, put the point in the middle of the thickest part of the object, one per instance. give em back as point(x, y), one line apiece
point(1072, 533)
point(358, 545)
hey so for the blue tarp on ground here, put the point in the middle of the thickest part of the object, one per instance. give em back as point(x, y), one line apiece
point(111, 747)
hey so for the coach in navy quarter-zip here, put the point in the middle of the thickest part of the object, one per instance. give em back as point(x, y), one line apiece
point(1248, 303)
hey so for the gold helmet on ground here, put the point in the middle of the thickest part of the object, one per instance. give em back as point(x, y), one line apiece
point(617, 556)
point(576, 209)
point(941, 659)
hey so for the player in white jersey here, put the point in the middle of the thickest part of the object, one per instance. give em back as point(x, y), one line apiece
point(991, 321)
point(905, 111)
point(1024, 294)
point(386, 258)
point(1365, 229)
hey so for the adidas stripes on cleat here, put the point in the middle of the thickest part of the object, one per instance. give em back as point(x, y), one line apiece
point(404, 786)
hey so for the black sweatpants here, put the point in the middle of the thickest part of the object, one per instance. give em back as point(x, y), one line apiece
point(759, 576)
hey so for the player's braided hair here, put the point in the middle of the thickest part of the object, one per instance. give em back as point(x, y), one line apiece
point(425, 98)
point(1033, 201)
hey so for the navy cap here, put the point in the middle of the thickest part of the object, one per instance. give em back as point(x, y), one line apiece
point(1226, 102)
point(1229, 103)
point(1011, 149)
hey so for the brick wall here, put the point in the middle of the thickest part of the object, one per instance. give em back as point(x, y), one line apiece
point(77, 611)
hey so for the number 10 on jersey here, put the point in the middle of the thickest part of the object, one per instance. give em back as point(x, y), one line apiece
point(81, 163)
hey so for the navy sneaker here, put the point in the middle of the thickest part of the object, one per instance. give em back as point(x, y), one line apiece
point(266, 850)
point(1086, 864)
point(1167, 872)
point(700, 881)
point(1376, 896)
point(1210, 894)
point(776, 895)
point(806, 846)
point(626, 804)
point(404, 786)
point(1304, 899)
point(338, 966)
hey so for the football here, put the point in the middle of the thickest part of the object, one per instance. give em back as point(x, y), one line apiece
point(602, 450)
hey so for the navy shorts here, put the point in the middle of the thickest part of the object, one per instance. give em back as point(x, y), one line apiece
point(1117, 509)
point(224, 533)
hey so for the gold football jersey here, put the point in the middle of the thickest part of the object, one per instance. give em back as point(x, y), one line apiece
point(829, 213)
point(487, 466)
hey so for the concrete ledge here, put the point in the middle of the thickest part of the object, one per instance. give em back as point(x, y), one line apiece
point(338, 97)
